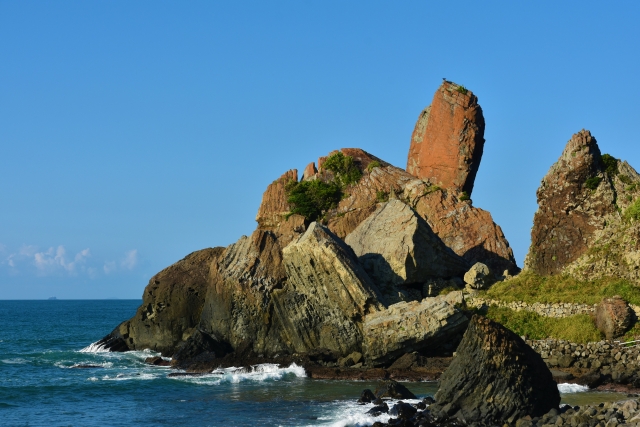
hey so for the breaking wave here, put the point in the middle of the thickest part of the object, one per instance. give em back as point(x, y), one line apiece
point(264, 372)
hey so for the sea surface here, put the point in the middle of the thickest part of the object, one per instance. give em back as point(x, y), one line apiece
point(42, 344)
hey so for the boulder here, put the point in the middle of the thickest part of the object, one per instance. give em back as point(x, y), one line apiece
point(410, 326)
point(494, 378)
point(479, 276)
point(326, 296)
point(394, 390)
point(613, 317)
point(171, 307)
point(448, 140)
point(574, 200)
point(396, 246)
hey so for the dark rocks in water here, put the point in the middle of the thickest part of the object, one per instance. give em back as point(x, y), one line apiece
point(402, 410)
point(494, 377)
point(157, 361)
point(202, 345)
point(378, 410)
point(366, 396)
point(592, 379)
point(114, 341)
point(81, 366)
point(394, 390)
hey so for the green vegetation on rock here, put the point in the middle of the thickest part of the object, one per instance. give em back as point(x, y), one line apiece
point(464, 196)
point(530, 288)
point(463, 90)
point(344, 168)
point(371, 166)
point(593, 182)
point(578, 328)
point(312, 199)
point(610, 164)
point(382, 196)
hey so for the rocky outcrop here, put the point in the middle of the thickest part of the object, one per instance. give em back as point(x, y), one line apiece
point(238, 307)
point(479, 276)
point(274, 206)
point(613, 317)
point(448, 140)
point(396, 246)
point(171, 307)
point(494, 378)
point(574, 200)
point(326, 296)
point(411, 326)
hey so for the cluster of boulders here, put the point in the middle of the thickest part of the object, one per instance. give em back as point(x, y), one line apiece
point(592, 363)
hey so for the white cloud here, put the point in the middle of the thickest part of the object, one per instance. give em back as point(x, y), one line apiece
point(130, 260)
point(55, 259)
point(109, 266)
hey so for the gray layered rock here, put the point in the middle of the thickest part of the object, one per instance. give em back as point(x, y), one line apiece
point(397, 246)
point(479, 276)
point(326, 296)
point(171, 307)
point(494, 378)
point(409, 326)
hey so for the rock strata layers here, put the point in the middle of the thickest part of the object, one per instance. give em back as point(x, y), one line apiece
point(494, 378)
point(448, 139)
point(326, 296)
point(396, 246)
point(410, 326)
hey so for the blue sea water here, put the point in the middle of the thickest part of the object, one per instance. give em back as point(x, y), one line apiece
point(41, 342)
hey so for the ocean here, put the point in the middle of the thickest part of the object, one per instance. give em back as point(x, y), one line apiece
point(42, 344)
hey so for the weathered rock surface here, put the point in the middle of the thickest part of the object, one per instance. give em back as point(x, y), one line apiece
point(326, 296)
point(410, 326)
point(613, 317)
point(396, 246)
point(479, 276)
point(569, 211)
point(495, 377)
point(238, 307)
point(171, 306)
point(274, 206)
point(448, 139)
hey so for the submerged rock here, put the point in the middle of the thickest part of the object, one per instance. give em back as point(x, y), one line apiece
point(448, 139)
point(494, 378)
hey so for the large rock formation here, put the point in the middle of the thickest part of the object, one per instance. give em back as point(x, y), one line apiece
point(326, 296)
point(274, 207)
point(613, 317)
point(411, 326)
point(448, 139)
point(396, 246)
point(494, 378)
point(171, 306)
point(577, 199)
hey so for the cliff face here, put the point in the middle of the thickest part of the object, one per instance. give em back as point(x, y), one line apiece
point(448, 139)
point(579, 201)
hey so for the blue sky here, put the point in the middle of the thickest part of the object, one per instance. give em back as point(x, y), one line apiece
point(134, 133)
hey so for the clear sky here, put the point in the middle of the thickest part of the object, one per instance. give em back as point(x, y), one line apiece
point(134, 133)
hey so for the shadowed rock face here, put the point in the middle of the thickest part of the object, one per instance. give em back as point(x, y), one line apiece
point(569, 212)
point(448, 140)
point(326, 296)
point(396, 246)
point(171, 306)
point(494, 377)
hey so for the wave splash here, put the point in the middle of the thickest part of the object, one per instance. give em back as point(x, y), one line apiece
point(94, 347)
point(263, 372)
point(572, 388)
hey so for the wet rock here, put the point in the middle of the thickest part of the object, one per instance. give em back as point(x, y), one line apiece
point(367, 396)
point(86, 366)
point(402, 410)
point(396, 246)
point(479, 276)
point(378, 410)
point(157, 361)
point(198, 343)
point(494, 377)
point(394, 390)
point(613, 317)
point(448, 139)
point(416, 325)
point(171, 306)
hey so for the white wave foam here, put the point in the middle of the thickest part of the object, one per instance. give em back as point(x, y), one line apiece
point(264, 372)
point(94, 347)
point(14, 361)
point(352, 414)
point(68, 364)
point(572, 388)
point(127, 377)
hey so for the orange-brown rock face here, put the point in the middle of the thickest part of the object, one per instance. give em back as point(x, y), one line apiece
point(274, 204)
point(448, 139)
point(574, 199)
